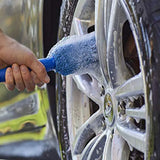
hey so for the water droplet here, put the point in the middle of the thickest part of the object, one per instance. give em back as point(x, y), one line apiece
point(155, 155)
point(137, 120)
point(97, 151)
point(156, 60)
point(138, 129)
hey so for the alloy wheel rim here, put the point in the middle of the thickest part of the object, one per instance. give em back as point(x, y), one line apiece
point(117, 120)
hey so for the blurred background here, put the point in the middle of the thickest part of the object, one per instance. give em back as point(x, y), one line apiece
point(28, 119)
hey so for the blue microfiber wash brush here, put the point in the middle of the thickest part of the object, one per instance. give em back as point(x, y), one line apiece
point(72, 55)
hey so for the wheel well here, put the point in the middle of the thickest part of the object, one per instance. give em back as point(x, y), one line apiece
point(51, 12)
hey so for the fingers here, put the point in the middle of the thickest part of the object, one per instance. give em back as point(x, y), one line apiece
point(18, 77)
point(9, 79)
point(27, 78)
point(40, 71)
point(21, 78)
point(36, 79)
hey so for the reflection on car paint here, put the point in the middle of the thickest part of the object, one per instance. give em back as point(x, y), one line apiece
point(25, 118)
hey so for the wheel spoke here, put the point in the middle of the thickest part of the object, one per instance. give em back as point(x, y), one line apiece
point(133, 137)
point(137, 112)
point(107, 10)
point(83, 17)
point(90, 87)
point(132, 87)
point(88, 130)
point(101, 39)
point(107, 147)
point(120, 149)
point(81, 26)
point(88, 148)
point(118, 72)
point(97, 149)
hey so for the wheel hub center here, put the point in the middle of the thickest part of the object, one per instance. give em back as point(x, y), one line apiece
point(108, 109)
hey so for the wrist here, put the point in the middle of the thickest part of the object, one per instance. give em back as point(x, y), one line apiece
point(4, 40)
point(1, 30)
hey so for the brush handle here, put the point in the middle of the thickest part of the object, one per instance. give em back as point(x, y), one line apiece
point(49, 64)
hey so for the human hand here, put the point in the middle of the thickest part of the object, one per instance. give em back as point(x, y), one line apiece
point(20, 58)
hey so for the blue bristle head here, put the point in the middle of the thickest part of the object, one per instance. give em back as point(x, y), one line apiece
point(75, 54)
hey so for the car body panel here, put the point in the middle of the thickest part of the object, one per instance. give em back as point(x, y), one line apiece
point(25, 116)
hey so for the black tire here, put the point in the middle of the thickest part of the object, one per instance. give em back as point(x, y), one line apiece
point(66, 15)
point(151, 21)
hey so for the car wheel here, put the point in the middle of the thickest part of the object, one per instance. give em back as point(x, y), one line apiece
point(114, 116)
